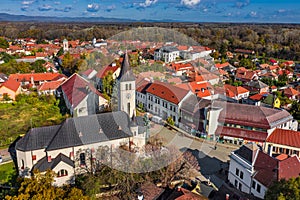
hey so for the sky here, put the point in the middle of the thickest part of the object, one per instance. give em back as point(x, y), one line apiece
point(273, 11)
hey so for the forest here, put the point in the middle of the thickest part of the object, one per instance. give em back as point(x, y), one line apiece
point(280, 41)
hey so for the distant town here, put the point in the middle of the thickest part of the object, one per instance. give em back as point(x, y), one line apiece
point(133, 119)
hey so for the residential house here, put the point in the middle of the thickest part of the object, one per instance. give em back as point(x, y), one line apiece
point(3, 78)
point(291, 93)
point(81, 97)
point(241, 123)
point(36, 79)
point(49, 88)
point(180, 68)
point(256, 86)
point(236, 92)
point(282, 141)
point(167, 54)
point(252, 171)
point(11, 88)
point(245, 75)
point(69, 148)
point(89, 74)
point(226, 67)
point(113, 68)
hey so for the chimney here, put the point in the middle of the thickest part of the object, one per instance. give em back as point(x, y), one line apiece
point(49, 159)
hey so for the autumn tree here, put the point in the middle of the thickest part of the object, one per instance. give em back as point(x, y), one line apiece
point(284, 190)
point(40, 186)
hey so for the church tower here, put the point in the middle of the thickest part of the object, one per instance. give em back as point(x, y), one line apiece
point(126, 88)
point(65, 45)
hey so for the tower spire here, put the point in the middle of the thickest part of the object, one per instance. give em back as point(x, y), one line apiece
point(126, 73)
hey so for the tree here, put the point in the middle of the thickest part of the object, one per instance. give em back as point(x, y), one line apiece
point(40, 186)
point(108, 83)
point(3, 43)
point(284, 190)
point(295, 110)
point(170, 121)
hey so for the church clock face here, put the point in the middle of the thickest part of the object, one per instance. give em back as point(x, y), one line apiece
point(128, 95)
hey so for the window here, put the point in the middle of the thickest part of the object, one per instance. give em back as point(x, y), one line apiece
point(253, 184)
point(62, 172)
point(22, 165)
point(128, 108)
point(258, 188)
point(82, 159)
point(237, 171)
point(242, 175)
point(129, 86)
point(240, 186)
point(235, 183)
point(126, 87)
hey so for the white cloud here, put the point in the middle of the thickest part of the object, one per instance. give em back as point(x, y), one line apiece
point(45, 7)
point(27, 2)
point(190, 3)
point(94, 7)
point(253, 14)
point(147, 3)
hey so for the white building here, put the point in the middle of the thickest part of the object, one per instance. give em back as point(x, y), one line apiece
point(167, 54)
point(81, 97)
point(252, 171)
point(65, 148)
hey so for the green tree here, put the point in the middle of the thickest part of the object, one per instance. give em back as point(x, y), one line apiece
point(108, 83)
point(295, 110)
point(170, 121)
point(284, 190)
point(3, 43)
point(40, 186)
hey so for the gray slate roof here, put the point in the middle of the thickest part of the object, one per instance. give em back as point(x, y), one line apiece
point(43, 164)
point(37, 138)
point(126, 73)
point(77, 131)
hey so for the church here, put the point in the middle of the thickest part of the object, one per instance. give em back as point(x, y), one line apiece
point(67, 148)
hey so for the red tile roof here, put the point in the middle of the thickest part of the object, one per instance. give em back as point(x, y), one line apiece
point(219, 65)
point(167, 92)
point(290, 92)
point(103, 72)
point(181, 66)
point(250, 115)
point(285, 137)
point(201, 89)
point(234, 90)
point(257, 136)
point(258, 96)
point(76, 89)
point(51, 85)
point(266, 169)
point(282, 156)
point(11, 84)
point(37, 77)
point(289, 168)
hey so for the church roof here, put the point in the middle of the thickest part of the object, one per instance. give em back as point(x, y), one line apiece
point(77, 131)
point(126, 72)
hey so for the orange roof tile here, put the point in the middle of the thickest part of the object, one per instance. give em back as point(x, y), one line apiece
point(285, 137)
point(37, 76)
point(289, 168)
point(167, 92)
point(11, 84)
point(290, 91)
point(52, 85)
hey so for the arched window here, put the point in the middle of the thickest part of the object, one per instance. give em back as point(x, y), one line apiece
point(22, 164)
point(82, 159)
point(62, 172)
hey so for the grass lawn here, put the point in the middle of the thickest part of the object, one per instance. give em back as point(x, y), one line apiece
point(6, 170)
point(29, 111)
